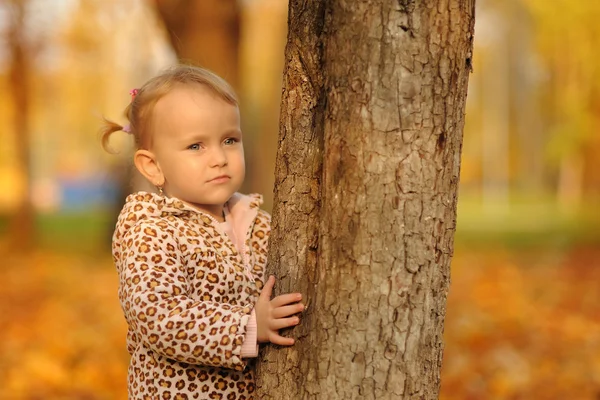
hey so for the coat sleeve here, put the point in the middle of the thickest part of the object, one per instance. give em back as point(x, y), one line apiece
point(154, 296)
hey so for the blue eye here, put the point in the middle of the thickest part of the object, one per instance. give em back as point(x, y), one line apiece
point(195, 146)
point(230, 141)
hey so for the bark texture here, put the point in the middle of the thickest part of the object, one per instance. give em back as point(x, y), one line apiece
point(365, 197)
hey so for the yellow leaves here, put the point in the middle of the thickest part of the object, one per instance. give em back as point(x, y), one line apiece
point(523, 325)
point(518, 326)
point(62, 333)
point(41, 369)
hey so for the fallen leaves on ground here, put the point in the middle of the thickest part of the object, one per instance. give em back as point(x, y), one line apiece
point(522, 325)
point(62, 330)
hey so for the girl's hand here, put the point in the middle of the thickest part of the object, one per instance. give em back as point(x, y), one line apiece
point(273, 315)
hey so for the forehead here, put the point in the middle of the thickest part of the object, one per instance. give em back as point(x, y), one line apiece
point(194, 106)
point(191, 98)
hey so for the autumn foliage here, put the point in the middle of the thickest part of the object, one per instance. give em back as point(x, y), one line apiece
point(520, 325)
point(523, 326)
point(62, 331)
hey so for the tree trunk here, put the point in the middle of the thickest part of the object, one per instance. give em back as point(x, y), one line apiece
point(22, 224)
point(204, 32)
point(366, 189)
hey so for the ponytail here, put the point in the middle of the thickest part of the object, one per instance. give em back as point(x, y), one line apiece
point(108, 129)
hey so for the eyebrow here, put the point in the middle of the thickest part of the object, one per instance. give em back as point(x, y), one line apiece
point(233, 131)
point(199, 137)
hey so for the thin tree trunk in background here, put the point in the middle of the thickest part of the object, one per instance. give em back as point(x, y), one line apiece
point(205, 33)
point(495, 141)
point(263, 39)
point(570, 183)
point(21, 227)
point(366, 190)
point(525, 84)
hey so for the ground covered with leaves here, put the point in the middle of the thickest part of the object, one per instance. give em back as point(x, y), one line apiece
point(520, 325)
point(523, 325)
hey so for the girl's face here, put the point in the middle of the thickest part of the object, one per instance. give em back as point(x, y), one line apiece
point(197, 143)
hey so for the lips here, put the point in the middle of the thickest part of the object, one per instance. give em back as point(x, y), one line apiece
point(220, 179)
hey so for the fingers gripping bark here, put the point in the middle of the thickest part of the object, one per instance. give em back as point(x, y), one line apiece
point(275, 314)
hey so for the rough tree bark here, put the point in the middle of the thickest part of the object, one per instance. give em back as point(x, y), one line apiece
point(366, 190)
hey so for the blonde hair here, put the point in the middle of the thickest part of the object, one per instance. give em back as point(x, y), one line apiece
point(139, 110)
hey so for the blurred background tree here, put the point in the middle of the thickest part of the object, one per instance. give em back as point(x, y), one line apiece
point(204, 33)
point(528, 212)
point(21, 51)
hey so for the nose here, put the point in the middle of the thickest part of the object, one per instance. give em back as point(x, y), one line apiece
point(218, 157)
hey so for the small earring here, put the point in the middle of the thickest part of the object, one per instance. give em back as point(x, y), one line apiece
point(160, 190)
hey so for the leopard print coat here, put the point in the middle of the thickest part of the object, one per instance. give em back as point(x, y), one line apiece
point(187, 295)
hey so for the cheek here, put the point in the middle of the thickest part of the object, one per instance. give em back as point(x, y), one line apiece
point(180, 168)
point(241, 163)
point(194, 163)
point(235, 156)
point(239, 156)
point(237, 163)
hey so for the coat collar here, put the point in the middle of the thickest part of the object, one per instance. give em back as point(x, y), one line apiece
point(145, 205)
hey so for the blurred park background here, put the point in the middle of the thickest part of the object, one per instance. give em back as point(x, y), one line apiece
point(523, 319)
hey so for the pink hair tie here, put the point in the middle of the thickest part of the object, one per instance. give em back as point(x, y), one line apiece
point(133, 93)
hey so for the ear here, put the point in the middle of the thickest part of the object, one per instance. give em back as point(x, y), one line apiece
point(145, 162)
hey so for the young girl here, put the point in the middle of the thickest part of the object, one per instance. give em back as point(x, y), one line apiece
point(191, 258)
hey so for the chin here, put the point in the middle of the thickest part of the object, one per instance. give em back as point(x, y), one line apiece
point(217, 200)
point(218, 195)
